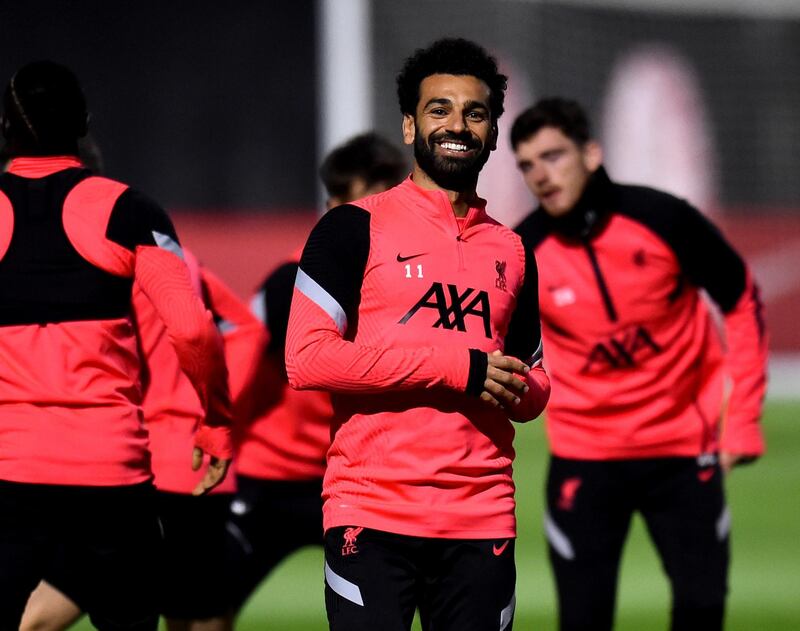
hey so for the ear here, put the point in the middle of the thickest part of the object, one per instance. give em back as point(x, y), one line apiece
point(409, 129)
point(493, 137)
point(592, 155)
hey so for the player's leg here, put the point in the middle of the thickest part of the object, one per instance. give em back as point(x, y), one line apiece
point(48, 609)
point(120, 539)
point(688, 519)
point(24, 547)
point(194, 588)
point(370, 579)
point(469, 585)
point(586, 523)
point(268, 520)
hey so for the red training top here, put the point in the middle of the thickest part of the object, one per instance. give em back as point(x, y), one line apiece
point(637, 366)
point(395, 306)
point(71, 245)
point(285, 433)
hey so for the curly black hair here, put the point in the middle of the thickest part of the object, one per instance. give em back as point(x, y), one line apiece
point(454, 56)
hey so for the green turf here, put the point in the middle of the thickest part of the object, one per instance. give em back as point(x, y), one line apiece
point(765, 576)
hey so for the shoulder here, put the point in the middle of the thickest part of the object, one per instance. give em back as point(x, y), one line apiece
point(534, 229)
point(656, 209)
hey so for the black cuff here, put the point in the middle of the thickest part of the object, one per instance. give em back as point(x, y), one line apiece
point(478, 364)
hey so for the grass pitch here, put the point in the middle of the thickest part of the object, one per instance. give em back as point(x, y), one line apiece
point(765, 574)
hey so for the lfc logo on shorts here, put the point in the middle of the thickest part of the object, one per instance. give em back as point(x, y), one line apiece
point(569, 489)
point(349, 546)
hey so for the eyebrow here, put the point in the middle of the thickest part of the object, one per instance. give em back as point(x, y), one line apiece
point(438, 101)
point(469, 105)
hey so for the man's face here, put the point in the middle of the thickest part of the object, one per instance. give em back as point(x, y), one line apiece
point(452, 130)
point(556, 169)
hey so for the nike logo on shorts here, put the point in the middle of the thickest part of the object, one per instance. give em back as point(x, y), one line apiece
point(498, 550)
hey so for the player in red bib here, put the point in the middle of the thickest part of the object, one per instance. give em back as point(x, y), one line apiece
point(636, 420)
point(75, 479)
point(411, 307)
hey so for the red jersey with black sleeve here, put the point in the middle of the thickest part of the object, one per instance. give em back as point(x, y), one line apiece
point(286, 432)
point(637, 364)
point(396, 304)
point(71, 246)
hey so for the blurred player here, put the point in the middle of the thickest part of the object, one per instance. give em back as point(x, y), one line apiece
point(172, 413)
point(403, 304)
point(280, 448)
point(635, 421)
point(74, 467)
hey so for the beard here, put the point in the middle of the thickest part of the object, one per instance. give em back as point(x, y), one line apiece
point(449, 172)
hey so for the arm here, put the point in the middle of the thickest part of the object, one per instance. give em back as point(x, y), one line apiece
point(324, 308)
point(243, 334)
point(144, 229)
point(524, 340)
point(711, 263)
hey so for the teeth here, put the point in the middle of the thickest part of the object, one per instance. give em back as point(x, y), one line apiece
point(454, 146)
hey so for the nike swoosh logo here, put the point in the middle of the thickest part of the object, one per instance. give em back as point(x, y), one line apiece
point(403, 259)
point(498, 550)
point(705, 474)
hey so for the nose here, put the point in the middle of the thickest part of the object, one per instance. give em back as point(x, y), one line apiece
point(539, 175)
point(456, 123)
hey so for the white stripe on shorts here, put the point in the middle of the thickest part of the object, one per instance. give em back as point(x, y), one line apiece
point(507, 615)
point(343, 587)
point(558, 539)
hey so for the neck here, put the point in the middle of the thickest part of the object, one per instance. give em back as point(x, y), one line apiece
point(460, 200)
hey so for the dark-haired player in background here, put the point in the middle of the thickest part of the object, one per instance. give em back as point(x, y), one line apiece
point(404, 305)
point(75, 479)
point(284, 434)
point(636, 420)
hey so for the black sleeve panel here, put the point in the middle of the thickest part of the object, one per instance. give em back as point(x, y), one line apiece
point(704, 255)
point(335, 255)
point(534, 229)
point(277, 293)
point(524, 331)
point(133, 220)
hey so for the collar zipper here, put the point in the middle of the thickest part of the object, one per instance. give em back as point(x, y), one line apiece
point(601, 282)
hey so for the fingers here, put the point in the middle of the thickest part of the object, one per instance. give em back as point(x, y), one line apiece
point(215, 474)
point(507, 364)
point(728, 460)
point(503, 386)
point(197, 458)
point(507, 380)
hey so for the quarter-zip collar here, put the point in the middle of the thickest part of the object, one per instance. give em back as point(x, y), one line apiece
point(589, 215)
point(438, 199)
point(37, 167)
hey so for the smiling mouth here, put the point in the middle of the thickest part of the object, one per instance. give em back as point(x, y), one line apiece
point(455, 147)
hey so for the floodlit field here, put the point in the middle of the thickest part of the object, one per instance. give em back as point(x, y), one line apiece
point(765, 579)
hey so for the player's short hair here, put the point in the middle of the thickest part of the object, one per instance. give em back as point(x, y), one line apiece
point(454, 56)
point(369, 157)
point(564, 114)
point(44, 110)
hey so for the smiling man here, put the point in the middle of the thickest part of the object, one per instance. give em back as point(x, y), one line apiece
point(635, 421)
point(412, 307)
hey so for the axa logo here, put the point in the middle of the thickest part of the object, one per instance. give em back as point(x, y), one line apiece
point(623, 350)
point(453, 307)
